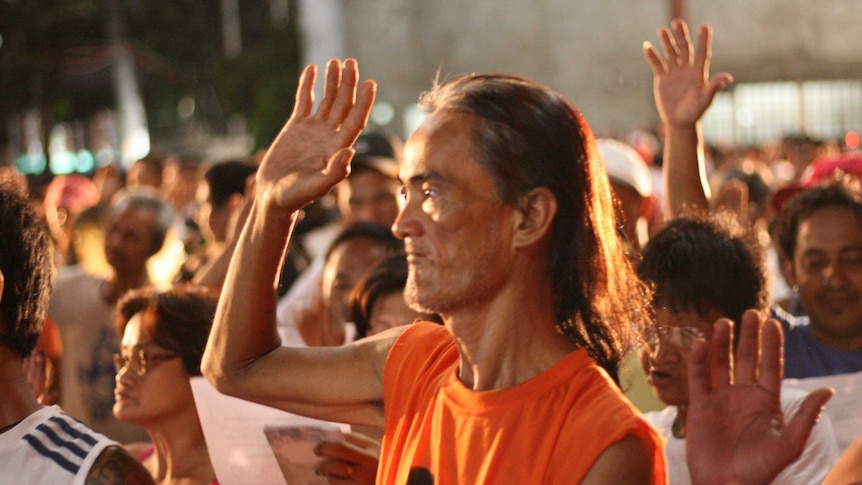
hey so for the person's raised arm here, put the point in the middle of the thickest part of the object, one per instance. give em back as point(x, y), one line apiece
point(735, 430)
point(683, 91)
point(243, 356)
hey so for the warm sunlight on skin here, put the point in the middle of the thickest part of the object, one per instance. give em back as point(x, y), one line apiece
point(142, 399)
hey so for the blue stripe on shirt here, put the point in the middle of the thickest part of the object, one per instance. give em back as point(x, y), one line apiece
point(86, 438)
point(52, 455)
point(62, 442)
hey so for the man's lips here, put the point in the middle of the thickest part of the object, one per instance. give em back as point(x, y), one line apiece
point(838, 303)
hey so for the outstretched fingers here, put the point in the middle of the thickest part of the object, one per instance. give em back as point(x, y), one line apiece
point(305, 93)
point(654, 59)
point(748, 349)
point(668, 43)
point(356, 118)
point(772, 356)
point(683, 41)
point(331, 88)
point(798, 429)
point(704, 49)
point(703, 58)
point(346, 95)
point(721, 353)
point(699, 372)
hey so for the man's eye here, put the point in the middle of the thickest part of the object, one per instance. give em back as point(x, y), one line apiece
point(814, 264)
point(853, 258)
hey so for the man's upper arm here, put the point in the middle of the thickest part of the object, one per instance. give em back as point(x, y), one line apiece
point(115, 466)
point(333, 383)
point(628, 461)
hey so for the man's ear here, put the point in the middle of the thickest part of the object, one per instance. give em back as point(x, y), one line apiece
point(2, 284)
point(534, 217)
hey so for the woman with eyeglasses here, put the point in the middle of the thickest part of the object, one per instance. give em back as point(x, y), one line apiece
point(702, 269)
point(164, 335)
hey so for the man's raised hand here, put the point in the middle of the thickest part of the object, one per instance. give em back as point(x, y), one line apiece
point(312, 152)
point(682, 87)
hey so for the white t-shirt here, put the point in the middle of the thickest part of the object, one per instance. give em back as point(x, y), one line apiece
point(816, 460)
point(49, 446)
point(90, 339)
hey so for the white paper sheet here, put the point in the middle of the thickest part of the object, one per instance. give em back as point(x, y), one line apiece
point(845, 407)
point(234, 432)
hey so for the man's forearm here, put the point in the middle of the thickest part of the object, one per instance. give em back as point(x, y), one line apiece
point(244, 327)
point(686, 187)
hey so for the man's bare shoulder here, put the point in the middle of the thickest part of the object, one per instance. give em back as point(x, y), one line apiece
point(116, 466)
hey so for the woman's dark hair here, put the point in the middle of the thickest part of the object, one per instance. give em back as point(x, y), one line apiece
point(178, 319)
point(704, 263)
point(375, 231)
point(528, 136)
point(387, 277)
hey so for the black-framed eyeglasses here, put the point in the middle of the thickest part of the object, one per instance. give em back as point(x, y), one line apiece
point(140, 361)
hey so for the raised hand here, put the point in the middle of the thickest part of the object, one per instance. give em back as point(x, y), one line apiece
point(312, 152)
point(682, 87)
point(735, 429)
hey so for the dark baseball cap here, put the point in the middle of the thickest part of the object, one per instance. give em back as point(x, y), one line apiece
point(379, 151)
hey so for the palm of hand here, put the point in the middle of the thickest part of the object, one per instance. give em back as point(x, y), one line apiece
point(310, 154)
point(682, 95)
point(296, 167)
point(743, 424)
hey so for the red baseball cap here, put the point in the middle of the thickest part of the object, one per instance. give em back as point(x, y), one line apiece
point(819, 170)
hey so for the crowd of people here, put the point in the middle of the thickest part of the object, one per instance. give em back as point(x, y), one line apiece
point(465, 300)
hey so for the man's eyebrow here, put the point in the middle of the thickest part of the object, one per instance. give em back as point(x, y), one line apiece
point(422, 177)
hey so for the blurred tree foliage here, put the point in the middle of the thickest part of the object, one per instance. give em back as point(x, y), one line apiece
point(54, 58)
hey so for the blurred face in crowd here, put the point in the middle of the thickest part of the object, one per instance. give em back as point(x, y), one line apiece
point(664, 357)
point(346, 265)
point(391, 311)
point(142, 399)
point(129, 239)
point(827, 269)
point(212, 218)
point(368, 195)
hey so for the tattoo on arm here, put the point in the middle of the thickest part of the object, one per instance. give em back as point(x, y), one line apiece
point(115, 466)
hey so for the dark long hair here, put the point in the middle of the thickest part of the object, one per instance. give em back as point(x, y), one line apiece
point(529, 137)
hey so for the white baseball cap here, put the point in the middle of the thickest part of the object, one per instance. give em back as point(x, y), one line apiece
point(625, 166)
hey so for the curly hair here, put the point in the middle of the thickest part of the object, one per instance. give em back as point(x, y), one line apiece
point(25, 261)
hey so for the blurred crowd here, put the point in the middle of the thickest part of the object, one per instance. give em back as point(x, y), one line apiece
point(140, 257)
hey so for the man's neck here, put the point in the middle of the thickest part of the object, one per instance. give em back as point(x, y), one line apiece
point(118, 284)
point(508, 341)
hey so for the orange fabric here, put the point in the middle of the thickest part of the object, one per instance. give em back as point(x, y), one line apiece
point(50, 341)
point(549, 429)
